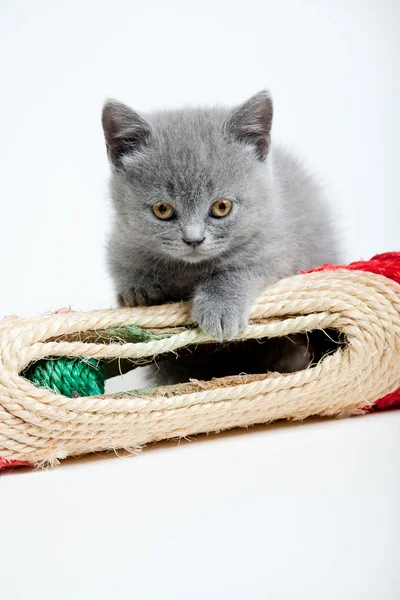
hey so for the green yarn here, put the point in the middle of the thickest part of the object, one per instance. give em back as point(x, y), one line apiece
point(131, 334)
point(69, 377)
point(73, 377)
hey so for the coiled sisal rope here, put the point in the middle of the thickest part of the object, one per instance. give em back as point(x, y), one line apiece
point(361, 301)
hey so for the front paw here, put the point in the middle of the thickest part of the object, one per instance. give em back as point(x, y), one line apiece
point(141, 296)
point(220, 318)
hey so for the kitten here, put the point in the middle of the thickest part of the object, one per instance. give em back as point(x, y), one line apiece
point(207, 209)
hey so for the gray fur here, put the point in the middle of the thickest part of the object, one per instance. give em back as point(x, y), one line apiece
point(279, 223)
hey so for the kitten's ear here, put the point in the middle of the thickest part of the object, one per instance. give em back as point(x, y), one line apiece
point(124, 129)
point(251, 123)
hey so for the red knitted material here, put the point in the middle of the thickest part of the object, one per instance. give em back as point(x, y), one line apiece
point(9, 465)
point(387, 264)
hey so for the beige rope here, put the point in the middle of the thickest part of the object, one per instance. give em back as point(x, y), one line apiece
point(41, 426)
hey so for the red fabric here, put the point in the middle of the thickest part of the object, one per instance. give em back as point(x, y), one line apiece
point(387, 264)
point(8, 465)
point(390, 401)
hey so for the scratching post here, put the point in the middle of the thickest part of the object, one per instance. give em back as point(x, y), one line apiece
point(52, 368)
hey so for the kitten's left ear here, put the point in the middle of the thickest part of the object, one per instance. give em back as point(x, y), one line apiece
point(125, 130)
point(251, 123)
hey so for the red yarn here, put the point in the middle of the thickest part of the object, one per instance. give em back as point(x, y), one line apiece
point(387, 264)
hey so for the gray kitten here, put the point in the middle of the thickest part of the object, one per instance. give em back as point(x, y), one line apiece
point(207, 209)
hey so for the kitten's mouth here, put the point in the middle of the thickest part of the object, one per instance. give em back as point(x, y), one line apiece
point(199, 254)
point(195, 255)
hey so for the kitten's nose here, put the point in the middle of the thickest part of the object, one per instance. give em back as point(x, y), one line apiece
point(193, 242)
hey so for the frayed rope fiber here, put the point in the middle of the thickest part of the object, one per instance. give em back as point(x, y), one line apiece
point(52, 402)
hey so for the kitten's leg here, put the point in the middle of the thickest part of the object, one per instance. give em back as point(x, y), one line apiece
point(141, 296)
point(222, 302)
point(140, 289)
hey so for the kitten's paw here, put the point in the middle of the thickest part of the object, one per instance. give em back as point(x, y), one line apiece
point(137, 296)
point(222, 320)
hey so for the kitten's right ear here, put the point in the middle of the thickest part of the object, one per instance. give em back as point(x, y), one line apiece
point(124, 130)
point(251, 123)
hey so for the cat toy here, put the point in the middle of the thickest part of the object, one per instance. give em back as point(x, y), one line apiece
point(53, 368)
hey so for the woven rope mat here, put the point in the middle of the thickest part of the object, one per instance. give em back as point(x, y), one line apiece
point(40, 427)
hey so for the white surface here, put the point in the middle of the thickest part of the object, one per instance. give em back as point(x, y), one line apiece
point(305, 511)
point(295, 511)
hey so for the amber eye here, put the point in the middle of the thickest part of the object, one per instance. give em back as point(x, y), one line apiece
point(163, 211)
point(221, 208)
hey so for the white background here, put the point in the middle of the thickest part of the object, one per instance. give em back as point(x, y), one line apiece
point(297, 511)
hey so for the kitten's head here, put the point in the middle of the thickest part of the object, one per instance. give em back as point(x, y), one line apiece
point(189, 184)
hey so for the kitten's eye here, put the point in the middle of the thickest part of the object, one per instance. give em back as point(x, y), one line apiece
point(163, 211)
point(221, 208)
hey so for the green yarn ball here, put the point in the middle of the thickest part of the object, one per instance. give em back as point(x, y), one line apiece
point(69, 377)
